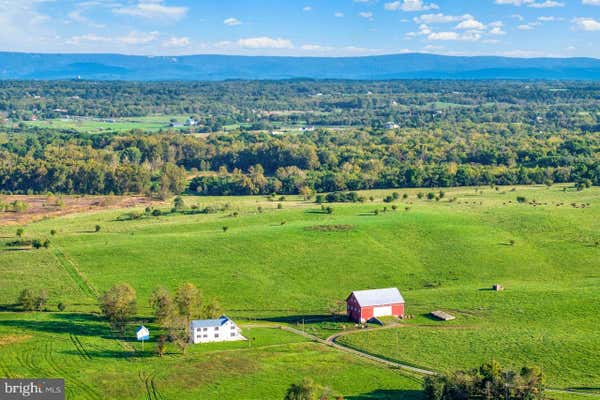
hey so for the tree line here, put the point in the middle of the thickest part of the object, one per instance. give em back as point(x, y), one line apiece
point(475, 133)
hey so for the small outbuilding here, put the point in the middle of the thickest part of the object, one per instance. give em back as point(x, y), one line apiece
point(444, 316)
point(221, 329)
point(362, 305)
point(142, 333)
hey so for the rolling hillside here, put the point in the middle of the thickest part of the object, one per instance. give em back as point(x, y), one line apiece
point(222, 67)
point(283, 266)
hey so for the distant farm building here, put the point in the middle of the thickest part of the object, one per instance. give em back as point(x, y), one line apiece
point(221, 329)
point(444, 316)
point(191, 122)
point(362, 305)
point(498, 287)
point(142, 333)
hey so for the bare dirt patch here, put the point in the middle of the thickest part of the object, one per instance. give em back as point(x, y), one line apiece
point(40, 207)
point(13, 339)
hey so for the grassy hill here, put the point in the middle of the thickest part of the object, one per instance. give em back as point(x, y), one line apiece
point(292, 264)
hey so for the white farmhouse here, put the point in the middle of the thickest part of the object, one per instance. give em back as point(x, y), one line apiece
point(221, 329)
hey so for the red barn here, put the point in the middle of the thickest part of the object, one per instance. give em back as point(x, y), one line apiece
point(362, 305)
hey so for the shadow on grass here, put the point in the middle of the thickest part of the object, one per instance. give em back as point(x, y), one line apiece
point(76, 324)
point(315, 212)
point(308, 319)
point(18, 249)
point(431, 317)
point(114, 354)
point(10, 308)
point(388, 394)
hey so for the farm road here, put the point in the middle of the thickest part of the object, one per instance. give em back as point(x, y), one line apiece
point(331, 341)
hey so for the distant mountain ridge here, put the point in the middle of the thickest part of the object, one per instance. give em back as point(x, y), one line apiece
point(223, 67)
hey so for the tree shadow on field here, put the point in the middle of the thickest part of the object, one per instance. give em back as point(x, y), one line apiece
point(388, 394)
point(114, 354)
point(308, 318)
point(76, 324)
point(315, 212)
point(12, 249)
point(10, 308)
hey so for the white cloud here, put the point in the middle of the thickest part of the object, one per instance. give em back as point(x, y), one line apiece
point(366, 14)
point(316, 48)
point(531, 3)
point(550, 19)
point(264, 42)
point(526, 27)
point(586, 24)
point(232, 21)
point(132, 38)
point(470, 24)
point(514, 2)
point(338, 14)
point(307, 8)
point(152, 9)
point(410, 5)
point(497, 31)
point(136, 38)
point(546, 4)
point(440, 18)
point(176, 42)
point(467, 36)
point(23, 27)
point(591, 2)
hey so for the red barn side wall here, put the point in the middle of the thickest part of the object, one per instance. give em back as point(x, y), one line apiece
point(359, 314)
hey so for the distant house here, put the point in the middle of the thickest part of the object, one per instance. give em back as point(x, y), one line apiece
point(176, 125)
point(391, 125)
point(191, 122)
point(221, 329)
point(362, 305)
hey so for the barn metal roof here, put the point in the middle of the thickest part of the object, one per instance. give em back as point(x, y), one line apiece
point(375, 297)
point(209, 323)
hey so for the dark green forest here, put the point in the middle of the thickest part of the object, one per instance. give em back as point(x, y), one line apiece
point(443, 133)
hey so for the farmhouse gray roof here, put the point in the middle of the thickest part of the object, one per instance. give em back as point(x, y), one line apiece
point(376, 297)
point(209, 323)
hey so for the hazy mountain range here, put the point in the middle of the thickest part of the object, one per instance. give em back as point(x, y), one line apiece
point(221, 67)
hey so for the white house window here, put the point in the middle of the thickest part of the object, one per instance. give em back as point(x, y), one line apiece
point(205, 329)
point(205, 335)
point(216, 328)
point(232, 334)
point(232, 327)
point(216, 335)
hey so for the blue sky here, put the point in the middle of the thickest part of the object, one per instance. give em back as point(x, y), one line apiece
point(524, 28)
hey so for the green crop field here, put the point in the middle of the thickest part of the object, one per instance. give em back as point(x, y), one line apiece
point(149, 123)
point(282, 266)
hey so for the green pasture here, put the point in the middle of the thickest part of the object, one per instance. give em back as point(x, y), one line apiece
point(149, 123)
point(274, 267)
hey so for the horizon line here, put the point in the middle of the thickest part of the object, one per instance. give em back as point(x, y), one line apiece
point(298, 56)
